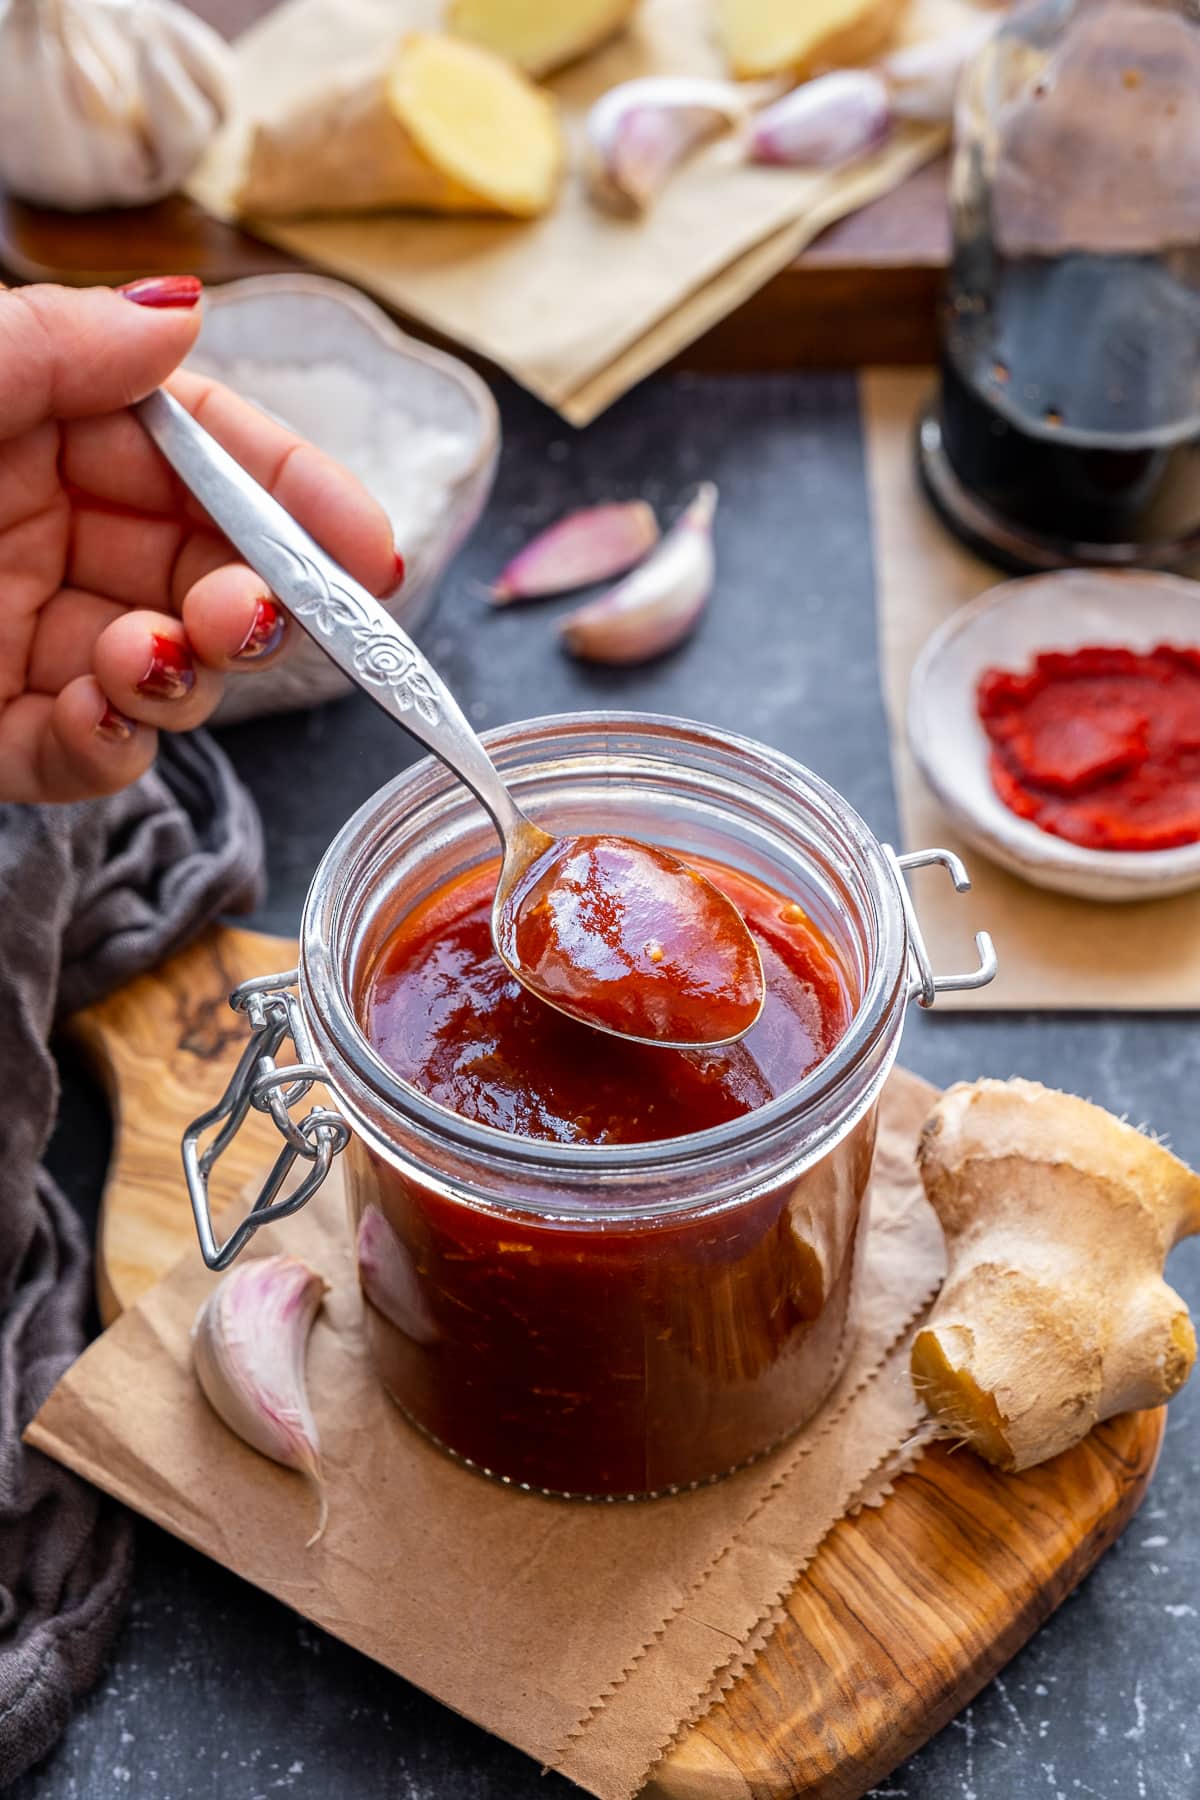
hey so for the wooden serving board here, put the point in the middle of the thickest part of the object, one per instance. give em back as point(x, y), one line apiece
point(905, 1613)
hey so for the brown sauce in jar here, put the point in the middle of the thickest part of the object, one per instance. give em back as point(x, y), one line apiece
point(591, 1356)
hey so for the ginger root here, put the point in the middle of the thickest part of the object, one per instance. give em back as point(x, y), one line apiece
point(443, 127)
point(540, 36)
point(801, 37)
point(1054, 1315)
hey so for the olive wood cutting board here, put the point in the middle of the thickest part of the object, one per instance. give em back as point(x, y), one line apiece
point(907, 1610)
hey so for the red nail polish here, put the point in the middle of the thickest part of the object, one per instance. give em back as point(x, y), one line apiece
point(401, 572)
point(164, 290)
point(114, 725)
point(265, 634)
point(170, 673)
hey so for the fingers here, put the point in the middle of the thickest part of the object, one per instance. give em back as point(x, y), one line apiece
point(113, 463)
point(231, 620)
point(69, 747)
point(166, 672)
point(67, 353)
point(64, 638)
point(151, 666)
point(147, 668)
point(326, 499)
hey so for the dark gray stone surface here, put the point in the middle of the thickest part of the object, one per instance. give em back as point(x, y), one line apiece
point(217, 1693)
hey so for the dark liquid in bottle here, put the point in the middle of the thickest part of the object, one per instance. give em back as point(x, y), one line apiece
point(1071, 393)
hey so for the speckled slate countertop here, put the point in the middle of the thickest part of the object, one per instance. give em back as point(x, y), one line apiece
point(215, 1692)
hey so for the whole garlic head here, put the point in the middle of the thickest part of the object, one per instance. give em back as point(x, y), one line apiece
point(106, 102)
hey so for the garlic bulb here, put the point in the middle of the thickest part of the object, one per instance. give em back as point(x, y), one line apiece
point(106, 102)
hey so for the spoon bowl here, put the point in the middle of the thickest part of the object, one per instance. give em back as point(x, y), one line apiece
point(626, 938)
point(621, 936)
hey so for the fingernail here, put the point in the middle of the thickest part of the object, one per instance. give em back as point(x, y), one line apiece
point(170, 673)
point(401, 571)
point(265, 634)
point(115, 726)
point(164, 290)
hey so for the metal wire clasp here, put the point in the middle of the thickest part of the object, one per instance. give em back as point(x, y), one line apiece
point(925, 986)
point(259, 1081)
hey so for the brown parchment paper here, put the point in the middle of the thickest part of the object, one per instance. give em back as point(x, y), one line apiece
point(580, 305)
point(1054, 951)
point(526, 1614)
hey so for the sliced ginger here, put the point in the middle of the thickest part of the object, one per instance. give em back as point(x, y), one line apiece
point(445, 126)
point(801, 37)
point(1054, 1315)
point(539, 35)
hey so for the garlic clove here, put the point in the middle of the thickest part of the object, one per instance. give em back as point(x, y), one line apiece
point(657, 606)
point(389, 1280)
point(248, 1349)
point(593, 544)
point(825, 122)
point(922, 79)
point(106, 102)
point(638, 132)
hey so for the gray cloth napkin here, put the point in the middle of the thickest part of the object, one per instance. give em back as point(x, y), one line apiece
point(89, 895)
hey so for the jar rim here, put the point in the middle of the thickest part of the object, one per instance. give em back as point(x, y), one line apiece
point(870, 1036)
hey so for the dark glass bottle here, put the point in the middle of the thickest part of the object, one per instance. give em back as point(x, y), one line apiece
point(1068, 424)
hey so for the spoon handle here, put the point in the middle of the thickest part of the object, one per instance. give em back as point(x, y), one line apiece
point(350, 625)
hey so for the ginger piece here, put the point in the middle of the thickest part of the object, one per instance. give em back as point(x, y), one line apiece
point(537, 36)
point(1054, 1315)
point(444, 126)
point(801, 37)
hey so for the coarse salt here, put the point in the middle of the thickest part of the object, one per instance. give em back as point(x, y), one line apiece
point(411, 465)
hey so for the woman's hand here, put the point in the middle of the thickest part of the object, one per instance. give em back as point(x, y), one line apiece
point(121, 607)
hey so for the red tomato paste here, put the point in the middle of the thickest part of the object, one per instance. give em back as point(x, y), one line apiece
point(1100, 745)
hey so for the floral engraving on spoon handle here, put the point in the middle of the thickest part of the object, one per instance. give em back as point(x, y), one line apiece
point(378, 655)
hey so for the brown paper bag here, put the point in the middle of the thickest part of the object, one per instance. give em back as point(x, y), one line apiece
point(531, 1616)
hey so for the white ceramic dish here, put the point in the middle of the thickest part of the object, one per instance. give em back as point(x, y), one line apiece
point(354, 384)
point(1007, 627)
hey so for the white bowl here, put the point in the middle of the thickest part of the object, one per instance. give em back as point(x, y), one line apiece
point(1007, 627)
point(332, 366)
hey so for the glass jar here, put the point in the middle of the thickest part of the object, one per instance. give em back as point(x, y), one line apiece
point(1067, 429)
point(580, 1319)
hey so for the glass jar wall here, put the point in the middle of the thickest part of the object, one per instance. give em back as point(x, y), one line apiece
point(594, 1319)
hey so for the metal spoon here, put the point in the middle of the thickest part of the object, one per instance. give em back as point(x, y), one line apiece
point(701, 973)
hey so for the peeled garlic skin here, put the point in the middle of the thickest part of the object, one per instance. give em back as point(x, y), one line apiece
point(825, 122)
point(657, 606)
point(106, 102)
point(638, 132)
point(593, 544)
point(249, 1343)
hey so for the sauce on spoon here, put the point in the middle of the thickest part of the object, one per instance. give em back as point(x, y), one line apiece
point(623, 936)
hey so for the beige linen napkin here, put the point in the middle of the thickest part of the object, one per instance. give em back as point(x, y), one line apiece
point(1054, 951)
point(534, 1617)
point(580, 305)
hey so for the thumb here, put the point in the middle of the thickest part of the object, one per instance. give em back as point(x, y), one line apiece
point(68, 353)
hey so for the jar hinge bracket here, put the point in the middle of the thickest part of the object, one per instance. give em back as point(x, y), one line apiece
point(924, 985)
point(259, 1081)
